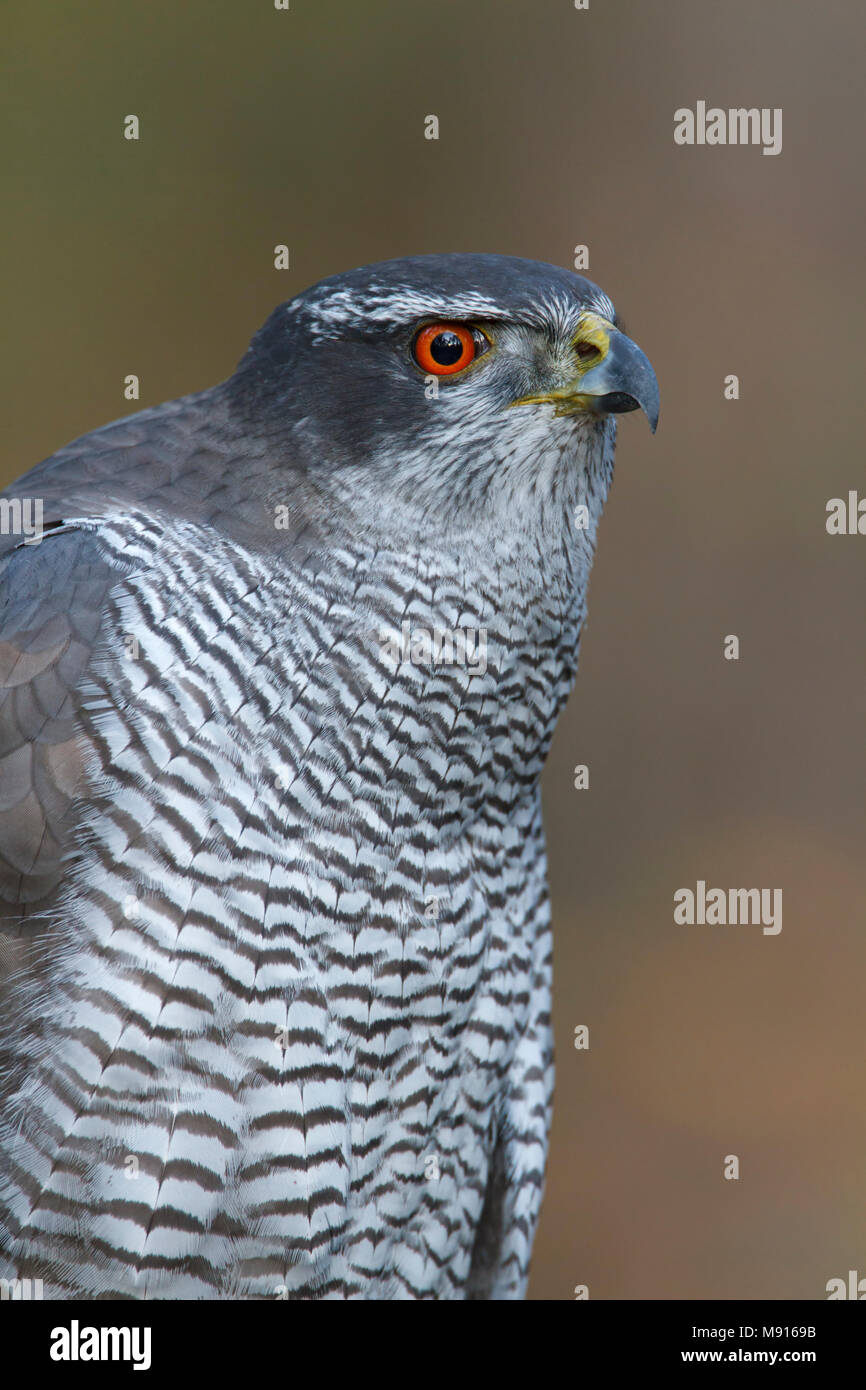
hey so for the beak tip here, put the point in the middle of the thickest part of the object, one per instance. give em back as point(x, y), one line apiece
point(650, 403)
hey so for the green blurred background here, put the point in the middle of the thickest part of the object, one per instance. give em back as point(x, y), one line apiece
point(556, 128)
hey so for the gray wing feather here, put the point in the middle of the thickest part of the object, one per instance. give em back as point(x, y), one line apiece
point(51, 600)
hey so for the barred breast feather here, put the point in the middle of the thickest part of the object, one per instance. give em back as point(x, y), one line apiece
point(277, 1011)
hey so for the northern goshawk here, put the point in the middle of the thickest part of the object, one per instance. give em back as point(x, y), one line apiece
point(279, 667)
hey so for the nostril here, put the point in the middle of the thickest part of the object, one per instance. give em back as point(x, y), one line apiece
point(587, 351)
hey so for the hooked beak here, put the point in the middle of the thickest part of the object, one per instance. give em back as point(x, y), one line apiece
point(612, 375)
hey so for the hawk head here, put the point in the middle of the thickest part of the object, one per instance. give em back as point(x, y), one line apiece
point(445, 382)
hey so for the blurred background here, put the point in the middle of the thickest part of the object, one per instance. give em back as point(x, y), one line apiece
point(306, 127)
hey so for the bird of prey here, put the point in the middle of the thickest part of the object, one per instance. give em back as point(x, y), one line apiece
point(279, 670)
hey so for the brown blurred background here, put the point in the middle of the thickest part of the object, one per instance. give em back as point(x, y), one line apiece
point(556, 128)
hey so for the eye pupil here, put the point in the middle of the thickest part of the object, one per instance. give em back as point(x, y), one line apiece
point(446, 349)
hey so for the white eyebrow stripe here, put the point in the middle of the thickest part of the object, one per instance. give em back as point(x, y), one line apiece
point(380, 304)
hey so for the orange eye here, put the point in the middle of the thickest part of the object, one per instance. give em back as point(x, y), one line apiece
point(445, 348)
